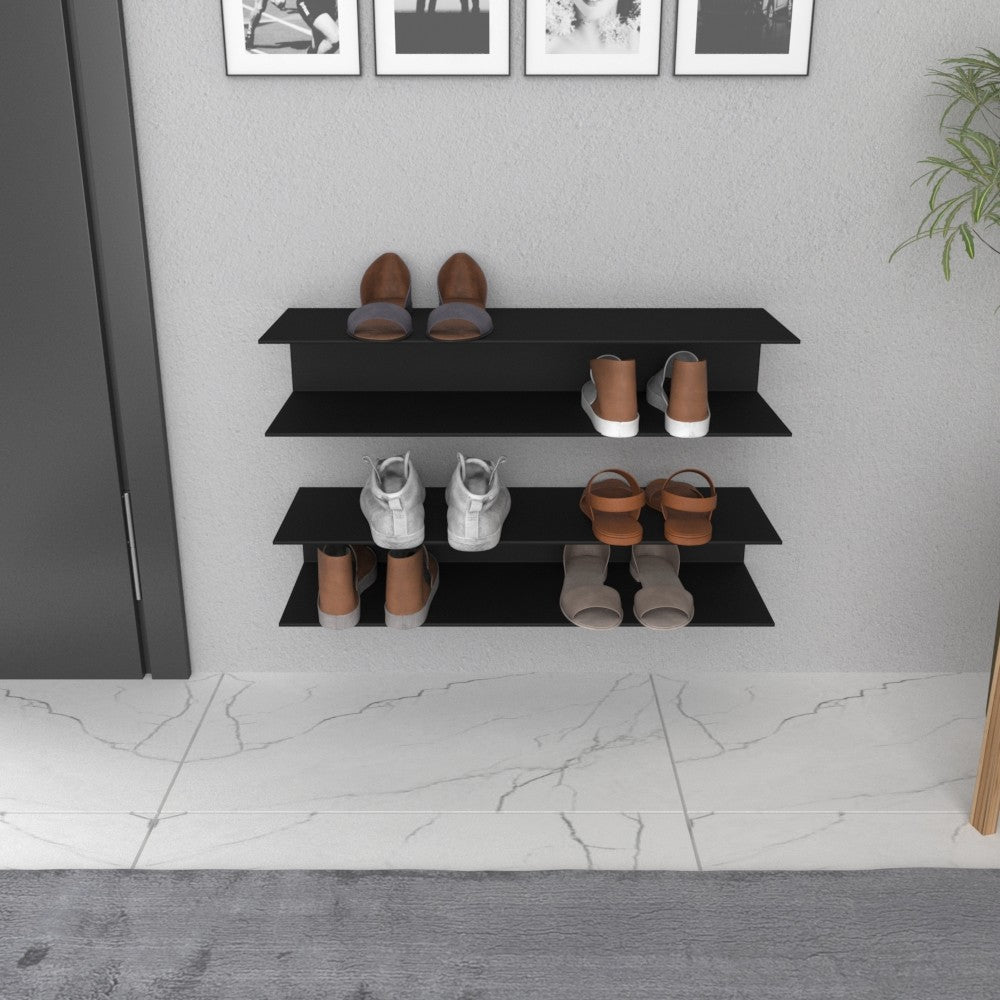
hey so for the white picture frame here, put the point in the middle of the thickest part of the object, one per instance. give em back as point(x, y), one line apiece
point(282, 40)
point(396, 56)
point(700, 36)
point(579, 48)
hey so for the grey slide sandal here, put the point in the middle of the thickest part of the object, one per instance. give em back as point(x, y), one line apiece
point(585, 599)
point(662, 602)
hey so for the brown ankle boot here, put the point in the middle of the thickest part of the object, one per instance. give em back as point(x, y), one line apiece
point(410, 584)
point(610, 398)
point(344, 573)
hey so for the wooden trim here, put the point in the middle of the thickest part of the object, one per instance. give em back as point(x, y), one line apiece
point(986, 797)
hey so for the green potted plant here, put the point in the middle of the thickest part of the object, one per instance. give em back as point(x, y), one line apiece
point(964, 183)
point(964, 204)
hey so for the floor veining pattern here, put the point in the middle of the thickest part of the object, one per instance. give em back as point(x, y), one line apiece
point(506, 772)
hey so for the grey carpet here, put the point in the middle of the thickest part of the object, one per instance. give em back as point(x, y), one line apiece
point(919, 935)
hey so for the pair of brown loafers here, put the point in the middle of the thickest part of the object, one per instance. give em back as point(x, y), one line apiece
point(613, 504)
point(386, 300)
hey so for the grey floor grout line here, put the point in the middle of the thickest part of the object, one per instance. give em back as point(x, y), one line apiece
point(151, 825)
point(677, 777)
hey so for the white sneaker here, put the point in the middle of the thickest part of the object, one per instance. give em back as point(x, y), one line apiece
point(477, 505)
point(393, 502)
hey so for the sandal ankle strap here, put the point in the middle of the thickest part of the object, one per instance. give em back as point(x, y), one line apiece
point(697, 505)
point(615, 505)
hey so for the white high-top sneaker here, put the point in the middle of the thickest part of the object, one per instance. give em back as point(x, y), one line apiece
point(477, 505)
point(393, 502)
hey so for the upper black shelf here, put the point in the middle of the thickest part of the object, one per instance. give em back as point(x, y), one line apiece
point(539, 515)
point(558, 326)
point(495, 414)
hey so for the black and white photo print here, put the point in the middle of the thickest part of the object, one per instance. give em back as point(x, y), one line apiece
point(442, 37)
point(262, 36)
point(592, 37)
point(743, 37)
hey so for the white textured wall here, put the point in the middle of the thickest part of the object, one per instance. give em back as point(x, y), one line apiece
point(786, 193)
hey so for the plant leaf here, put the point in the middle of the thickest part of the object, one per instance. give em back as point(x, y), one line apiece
point(946, 256)
point(950, 218)
point(936, 188)
point(970, 245)
point(978, 203)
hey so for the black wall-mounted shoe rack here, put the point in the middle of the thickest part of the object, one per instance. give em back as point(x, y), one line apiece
point(523, 380)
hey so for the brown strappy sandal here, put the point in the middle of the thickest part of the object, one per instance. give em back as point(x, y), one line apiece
point(687, 514)
point(613, 507)
point(462, 313)
point(384, 313)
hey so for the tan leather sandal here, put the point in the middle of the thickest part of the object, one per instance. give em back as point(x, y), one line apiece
point(687, 514)
point(613, 507)
point(661, 602)
point(386, 299)
point(462, 313)
point(586, 600)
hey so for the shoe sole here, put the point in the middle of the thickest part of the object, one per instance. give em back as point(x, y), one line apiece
point(607, 428)
point(686, 428)
point(351, 619)
point(677, 428)
point(418, 617)
point(462, 544)
point(410, 541)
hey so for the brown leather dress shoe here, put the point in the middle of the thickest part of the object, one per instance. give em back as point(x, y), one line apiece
point(462, 314)
point(385, 302)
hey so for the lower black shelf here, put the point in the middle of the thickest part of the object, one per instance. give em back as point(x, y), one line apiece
point(527, 594)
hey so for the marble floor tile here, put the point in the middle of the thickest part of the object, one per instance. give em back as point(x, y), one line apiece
point(397, 743)
point(769, 841)
point(825, 742)
point(94, 746)
point(70, 840)
point(451, 841)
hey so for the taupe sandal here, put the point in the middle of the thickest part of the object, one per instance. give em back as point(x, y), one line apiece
point(586, 600)
point(687, 514)
point(462, 313)
point(613, 507)
point(386, 299)
point(662, 602)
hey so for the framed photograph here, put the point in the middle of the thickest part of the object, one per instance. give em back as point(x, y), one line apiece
point(592, 37)
point(743, 37)
point(291, 37)
point(442, 37)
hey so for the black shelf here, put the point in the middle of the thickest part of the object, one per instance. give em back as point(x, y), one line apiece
point(539, 515)
point(469, 595)
point(494, 414)
point(523, 380)
point(556, 326)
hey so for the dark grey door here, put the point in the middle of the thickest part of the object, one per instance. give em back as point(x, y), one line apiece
point(67, 599)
